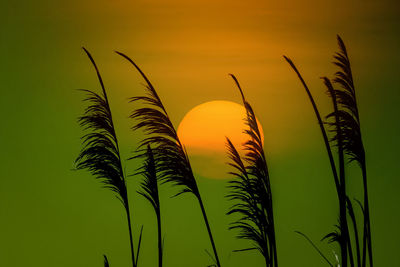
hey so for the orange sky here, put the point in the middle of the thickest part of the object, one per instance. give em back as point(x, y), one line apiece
point(187, 48)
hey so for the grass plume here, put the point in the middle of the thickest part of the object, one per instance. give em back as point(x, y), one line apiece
point(172, 162)
point(100, 153)
point(149, 190)
point(337, 140)
point(345, 127)
point(252, 190)
point(336, 235)
point(352, 139)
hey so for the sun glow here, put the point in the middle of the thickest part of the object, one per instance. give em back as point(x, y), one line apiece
point(203, 131)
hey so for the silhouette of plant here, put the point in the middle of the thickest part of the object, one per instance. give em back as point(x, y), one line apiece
point(106, 261)
point(351, 131)
point(251, 188)
point(335, 235)
point(342, 236)
point(150, 191)
point(171, 159)
point(100, 153)
point(345, 126)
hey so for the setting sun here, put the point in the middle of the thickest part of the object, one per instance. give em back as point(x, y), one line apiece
point(116, 114)
point(204, 129)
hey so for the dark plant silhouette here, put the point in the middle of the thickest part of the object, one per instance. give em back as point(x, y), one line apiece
point(338, 139)
point(100, 153)
point(171, 159)
point(336, 235)
point(315, 247)
point(149, 190)
point(351, 132)
point(251, 188)
point(345, 126)
point(106, 261)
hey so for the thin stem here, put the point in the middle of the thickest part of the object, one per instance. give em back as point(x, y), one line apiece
point(114, 137)
point(356, 237)
point(270, 253)
point(315, 247)
point(160, 248)
point(345, 240)
point(130, 235)
point(367, 225)
point(272, 239)
point(321, 124)
point(209, 230)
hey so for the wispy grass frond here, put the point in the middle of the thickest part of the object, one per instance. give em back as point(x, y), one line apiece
point(252, 221)
point(100, 153)
point(347, 101)
point(171, 160)
point(351, 131)
point(149, 190)
point(149, 184)
point(334, 236)
point(338, 140)
point(252, 189)
point(346, 130)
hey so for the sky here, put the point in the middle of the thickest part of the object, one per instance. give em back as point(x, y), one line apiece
point(52, 215)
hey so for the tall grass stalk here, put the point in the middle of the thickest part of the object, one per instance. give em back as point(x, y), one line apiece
point(149, 190)
point(172, 162)
point(341, 237)
point(252, 190)
point(100, 154)
point(338, 141)
point(347, 137)
point(351, 128)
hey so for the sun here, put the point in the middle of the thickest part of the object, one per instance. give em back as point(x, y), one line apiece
point(203, 131)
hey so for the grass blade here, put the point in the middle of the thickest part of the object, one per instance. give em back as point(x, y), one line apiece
point(172, 162)
point(100, 153)
point(315, 247)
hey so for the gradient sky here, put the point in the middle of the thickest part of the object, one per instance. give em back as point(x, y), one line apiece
point(51, 215)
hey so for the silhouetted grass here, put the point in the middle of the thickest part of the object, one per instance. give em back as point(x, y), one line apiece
point(165, 159)
point(345, 124)
point(106, 261)
point(149, 190)
point(335, 235)
point(172, 162)
point(351, 129)
point(251, 188)
point(337, 140)
point(100, 153)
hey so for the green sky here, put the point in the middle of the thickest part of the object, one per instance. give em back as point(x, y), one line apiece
point(51, 215)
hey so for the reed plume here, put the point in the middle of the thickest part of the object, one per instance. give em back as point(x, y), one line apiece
point(336, 235)
point(100, 154)
point(346, 130)
point(252, 190)
point(338, 140)
point(149, 190)
point(172, 162)
point(352, 139)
